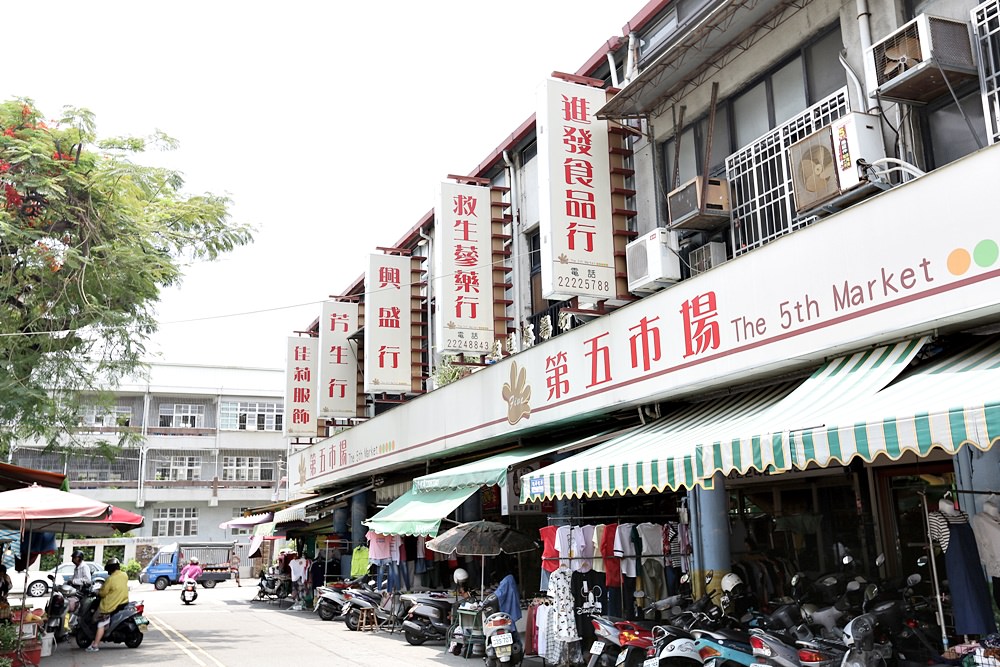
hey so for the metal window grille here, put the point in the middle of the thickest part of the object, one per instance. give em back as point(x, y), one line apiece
point(80, 467)
point(174, 467)
point(760, 179)
point(986, 22)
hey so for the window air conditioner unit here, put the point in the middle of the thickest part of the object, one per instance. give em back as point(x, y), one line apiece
point(907, 65)
point(706, 257)
point(824, 165)
point(652, 261)
point(685, 207)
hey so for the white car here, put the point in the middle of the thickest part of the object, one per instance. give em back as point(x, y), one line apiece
point(39, 583)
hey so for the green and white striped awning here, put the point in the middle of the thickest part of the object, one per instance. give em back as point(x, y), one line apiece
point(949, 403)
point(735, 433)
point(419, 512)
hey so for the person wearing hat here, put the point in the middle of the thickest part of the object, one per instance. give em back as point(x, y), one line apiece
point(81, 575)
point(114, 594)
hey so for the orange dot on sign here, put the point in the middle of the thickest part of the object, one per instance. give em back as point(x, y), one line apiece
point(959, 261)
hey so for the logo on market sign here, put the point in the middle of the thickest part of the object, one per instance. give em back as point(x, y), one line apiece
point(517, 394)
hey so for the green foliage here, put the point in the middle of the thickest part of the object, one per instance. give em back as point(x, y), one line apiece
point(8, 636)
point(132, 569)
point(88, 239)
point(6, 662)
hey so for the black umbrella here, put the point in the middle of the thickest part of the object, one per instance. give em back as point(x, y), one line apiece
point(482, 538)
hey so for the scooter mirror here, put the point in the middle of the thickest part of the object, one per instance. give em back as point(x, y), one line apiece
point(685, 578)
point(853, 585)
point(796, 578)
point(880, 560)
point(709, 575)
point(913, 580)
point(638, 594)
point(871, 592)
point(848, 559)
point(923, 560)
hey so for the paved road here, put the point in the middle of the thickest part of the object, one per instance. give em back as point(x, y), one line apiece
point(224, 629)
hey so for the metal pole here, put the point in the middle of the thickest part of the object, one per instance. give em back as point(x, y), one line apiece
point(934, 573)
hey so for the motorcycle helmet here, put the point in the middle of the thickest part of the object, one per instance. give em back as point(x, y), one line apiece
point(460, 576)
point(194, 560)
point(113, 565)
point(732, 585)
point(680, 653)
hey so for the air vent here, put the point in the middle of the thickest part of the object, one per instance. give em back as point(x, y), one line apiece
point(686, 205)
point(652, 261)
point(910, 64)
point(706, 257)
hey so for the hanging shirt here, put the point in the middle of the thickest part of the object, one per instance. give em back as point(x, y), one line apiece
point(651, 535)
point(624, 549)
point(359, 561)
point(378, 546)
point(612, 564)
point(395, 542)
point(596, 542)
point(550, 555)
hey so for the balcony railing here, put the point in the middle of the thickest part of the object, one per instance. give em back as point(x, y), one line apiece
point(535, 319)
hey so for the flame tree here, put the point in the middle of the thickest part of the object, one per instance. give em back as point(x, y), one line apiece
point(88, 238)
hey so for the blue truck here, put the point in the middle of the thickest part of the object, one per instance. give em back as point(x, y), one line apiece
point(165, 567)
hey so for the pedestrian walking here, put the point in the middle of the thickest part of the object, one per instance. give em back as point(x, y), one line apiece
point(234, 567)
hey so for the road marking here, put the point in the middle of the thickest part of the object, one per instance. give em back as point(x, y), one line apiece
point(162, 626)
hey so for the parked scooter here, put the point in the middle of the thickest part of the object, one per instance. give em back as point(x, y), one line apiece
point(126, 626)
point(272, 587)
point(428, 618)
point(61, 610)
point(503, 646)
point(189, 591)
point(330, 601)
point(389, 608)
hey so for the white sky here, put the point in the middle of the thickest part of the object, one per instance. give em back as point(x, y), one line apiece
point(328, 123)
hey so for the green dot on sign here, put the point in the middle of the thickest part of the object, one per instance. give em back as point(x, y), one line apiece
point(986, 252)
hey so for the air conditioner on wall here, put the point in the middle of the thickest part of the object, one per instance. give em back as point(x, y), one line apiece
point(652, 261)
point(824, 165)
point(685, 207)
point(909, 65)
point(706, 257)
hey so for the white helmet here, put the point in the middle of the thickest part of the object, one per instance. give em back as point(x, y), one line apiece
point(460, 576)
point(732, 584)
point(683, 650)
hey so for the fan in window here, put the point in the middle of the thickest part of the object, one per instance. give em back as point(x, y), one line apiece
point(901, 56)
point(816, 168)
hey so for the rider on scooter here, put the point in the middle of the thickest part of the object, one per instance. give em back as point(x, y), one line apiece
point(191, 571)
point(114, 594)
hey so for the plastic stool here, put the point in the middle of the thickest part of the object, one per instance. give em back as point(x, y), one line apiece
point(367, 620)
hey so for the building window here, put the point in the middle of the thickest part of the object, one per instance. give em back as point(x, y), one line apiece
point(250, 416)
point(179, 415)
point(810, 75)
point(238, 514)
point(175, 521)
point(178, 468)
point(245, 469)
point(92, 415)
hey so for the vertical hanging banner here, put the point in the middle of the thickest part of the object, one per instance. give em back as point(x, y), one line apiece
point(300, 387)
point(338, 360)
point(387, 325)
point(574, 180)
point(463, 269)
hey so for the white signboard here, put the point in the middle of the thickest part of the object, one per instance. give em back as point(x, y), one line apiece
point(574, 182)
point(338, 360)
point(463, 269)
point(387, 325)
point(898, 265)
point(300, 387)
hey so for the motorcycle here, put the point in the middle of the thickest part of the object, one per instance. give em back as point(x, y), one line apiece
point(127, 624)
point(389, 609)
point(429, 617)
point(502, 643)
point(272, 587)
point(61, 611)
point(189, 591)
point(330, 601)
